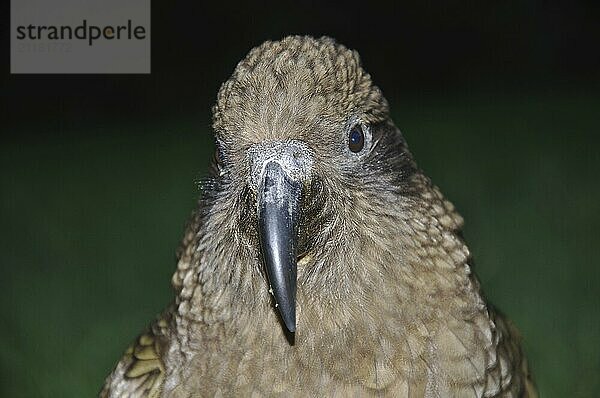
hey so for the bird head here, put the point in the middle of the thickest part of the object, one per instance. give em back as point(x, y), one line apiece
point(309, 157)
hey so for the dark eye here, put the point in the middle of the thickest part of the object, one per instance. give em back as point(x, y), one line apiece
point(356, 139)
point(217, 156)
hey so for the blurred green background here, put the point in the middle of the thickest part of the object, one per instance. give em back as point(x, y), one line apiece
point(499, 105)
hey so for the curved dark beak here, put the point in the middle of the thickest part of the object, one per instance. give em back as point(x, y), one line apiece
point(278, 207)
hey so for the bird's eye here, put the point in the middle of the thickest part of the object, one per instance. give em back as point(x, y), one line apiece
point(218, 158)
point(356, 139)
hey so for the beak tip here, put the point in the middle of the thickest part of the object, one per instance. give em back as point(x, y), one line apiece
point(287, 311)
point(290, 323)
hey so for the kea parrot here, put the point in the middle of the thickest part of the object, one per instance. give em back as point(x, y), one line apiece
point(320, 259)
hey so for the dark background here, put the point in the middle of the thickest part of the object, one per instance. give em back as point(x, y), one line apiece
point(499, 103)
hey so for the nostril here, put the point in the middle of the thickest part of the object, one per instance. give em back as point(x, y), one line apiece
point(295, 158)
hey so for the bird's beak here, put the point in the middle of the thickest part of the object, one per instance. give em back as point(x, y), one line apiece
point(278, 199)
